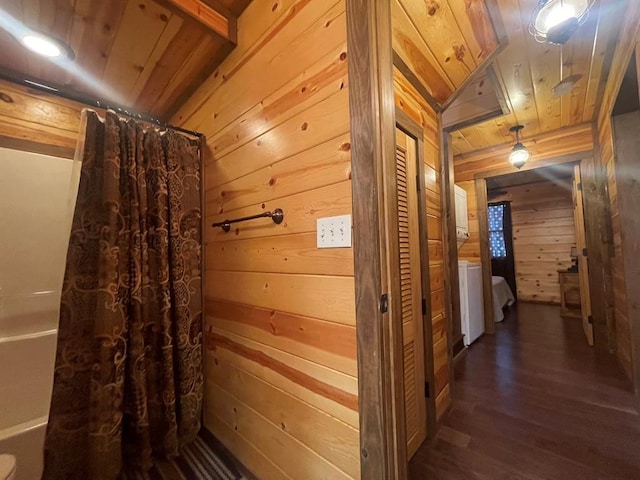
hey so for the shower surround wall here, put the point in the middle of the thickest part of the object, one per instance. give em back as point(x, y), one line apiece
point(37, 199)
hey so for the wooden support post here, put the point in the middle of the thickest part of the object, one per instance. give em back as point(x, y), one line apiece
point(383, 449)
point(212, 18)
point(626, 131)
point(485, 255)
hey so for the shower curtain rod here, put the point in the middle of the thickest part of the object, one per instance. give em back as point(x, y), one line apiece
point(91, 102)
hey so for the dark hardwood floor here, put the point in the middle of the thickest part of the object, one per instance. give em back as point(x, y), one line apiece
point(535, 402)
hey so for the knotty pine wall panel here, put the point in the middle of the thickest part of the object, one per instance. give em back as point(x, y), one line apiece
point(543, 234)
point(29, 117)
point(470, 249)
point(627, 43)
point(622, 326)
point(410, 102)
point(282, 391)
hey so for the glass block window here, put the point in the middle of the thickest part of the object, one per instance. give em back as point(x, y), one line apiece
point(497, 244)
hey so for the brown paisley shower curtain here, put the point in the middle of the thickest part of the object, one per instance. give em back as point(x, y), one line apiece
point(128, 380)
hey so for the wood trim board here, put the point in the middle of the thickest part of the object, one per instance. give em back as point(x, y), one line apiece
point(415, 83)
point(450, 242)
point(372, 118)
point(485, 255)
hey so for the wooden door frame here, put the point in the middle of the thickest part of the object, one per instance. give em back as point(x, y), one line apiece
point(625, 152)
point(383, 450)
point(415, 131)
point(592, 221)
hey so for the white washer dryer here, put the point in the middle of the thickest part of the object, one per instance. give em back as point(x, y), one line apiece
point(471, 300)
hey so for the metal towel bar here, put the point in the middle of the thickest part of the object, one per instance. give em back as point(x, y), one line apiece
point(277, 216)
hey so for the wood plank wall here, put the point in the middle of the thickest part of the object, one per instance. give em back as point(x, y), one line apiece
point(410, 102)
point(543, 234)
point(470, 249)
point(622, 326)
point(281, 389)
point(36, 121)
point(627, 43)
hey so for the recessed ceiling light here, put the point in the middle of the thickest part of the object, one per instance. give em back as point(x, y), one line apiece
point(45, 45)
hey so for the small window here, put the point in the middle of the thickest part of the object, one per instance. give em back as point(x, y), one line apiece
point(497, 244)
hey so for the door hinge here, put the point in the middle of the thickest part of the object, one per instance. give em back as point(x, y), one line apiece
point(418, 182)
point(579, 186)
point(590, 320)
point(427, 391)
point(424, 306)
point(585, 252)
point(384, 303)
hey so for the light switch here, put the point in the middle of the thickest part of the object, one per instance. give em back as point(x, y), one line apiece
point(334, 232)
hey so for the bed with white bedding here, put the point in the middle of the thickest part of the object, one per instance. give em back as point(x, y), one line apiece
point(502, 296)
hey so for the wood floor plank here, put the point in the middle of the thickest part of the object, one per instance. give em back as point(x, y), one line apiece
point(535, 402)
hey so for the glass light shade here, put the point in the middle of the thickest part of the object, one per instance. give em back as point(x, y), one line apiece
point(42, 45)
point(558, 11)
point(554, 21)
point(519, 155)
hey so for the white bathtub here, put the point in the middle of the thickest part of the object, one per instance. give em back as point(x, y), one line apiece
point(26, 380)
point(26, 442)
point(37, 199)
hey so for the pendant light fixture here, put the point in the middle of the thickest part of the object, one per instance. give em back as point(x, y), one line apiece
point(519, 153)
point(554, 21)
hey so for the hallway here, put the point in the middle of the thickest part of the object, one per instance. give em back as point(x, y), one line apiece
point(535, 402)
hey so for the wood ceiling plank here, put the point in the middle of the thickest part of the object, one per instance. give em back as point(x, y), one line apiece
point(82, 9)
point(141, 27)
point(196, 68)
point(168, 34)
point(13, 54)
point(438, 28)
point(491, 133)
point(408, 43)
point(474, 22)
point(577, 61)
point(460, 143)
point(234, 6)
point(208, 16)
point(56, 17)
point(101, 22)
point(544, 65)
point(502, 125)
point(31, 18)
point(513, 67)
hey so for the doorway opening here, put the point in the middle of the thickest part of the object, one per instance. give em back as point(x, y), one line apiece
point(535, 237)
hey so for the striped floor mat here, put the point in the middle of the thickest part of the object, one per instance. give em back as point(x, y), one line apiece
point(200, 460)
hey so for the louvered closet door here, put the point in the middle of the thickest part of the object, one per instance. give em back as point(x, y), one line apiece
point(411, 288)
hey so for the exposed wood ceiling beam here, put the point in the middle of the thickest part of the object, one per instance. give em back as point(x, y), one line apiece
point(222, 23)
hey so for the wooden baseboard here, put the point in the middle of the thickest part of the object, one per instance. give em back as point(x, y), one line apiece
point(458, 346)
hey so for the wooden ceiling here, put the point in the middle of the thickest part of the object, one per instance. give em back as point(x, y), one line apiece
point(442, 42)
point(144, 54)
point(528, 71)
point(553, 173)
